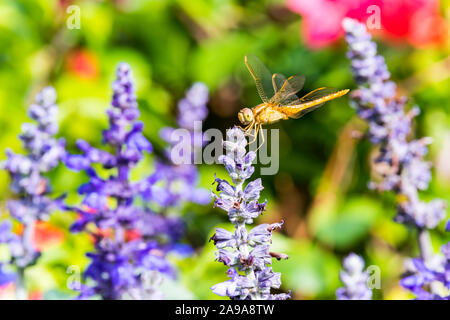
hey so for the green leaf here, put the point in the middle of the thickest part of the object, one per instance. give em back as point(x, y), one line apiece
point(350, 224)
point(310, 271)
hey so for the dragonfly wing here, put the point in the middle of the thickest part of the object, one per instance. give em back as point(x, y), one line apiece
point(287, 93)
point(317, 94)
point(262, 77)
point(299, 111)
point(310, 102)
point(277, 81)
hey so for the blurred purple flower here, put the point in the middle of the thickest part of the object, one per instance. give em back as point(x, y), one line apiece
point(33, 202)
point(421, 275)
point(131, 241)
point(242, 251)
point(175, 184)
point(6, 277)
point(193, 107)
point(400, 162)
point(354, 279)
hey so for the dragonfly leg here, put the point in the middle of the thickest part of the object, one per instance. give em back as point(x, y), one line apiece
point(262, 137)
point(246, 127)
point(249, 128)
point(255, 136)
point(251, 124)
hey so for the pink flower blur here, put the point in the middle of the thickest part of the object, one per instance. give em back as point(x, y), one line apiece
point(415, 21)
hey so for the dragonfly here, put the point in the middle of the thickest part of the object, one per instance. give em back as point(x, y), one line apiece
point(280, 100)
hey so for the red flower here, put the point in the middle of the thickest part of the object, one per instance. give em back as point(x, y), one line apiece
point(83, 63)
point(64, 3)
point(35, 295)
point(416, 21)
point(46, 235)
point(132, 234)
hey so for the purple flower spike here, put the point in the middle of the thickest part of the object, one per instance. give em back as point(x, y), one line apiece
point(354, 279)
point(193, 107)
point(400, 162)
point(430, 279)
point(178, 183)
point(33, 202)
point(242, 251)
point(131, 242)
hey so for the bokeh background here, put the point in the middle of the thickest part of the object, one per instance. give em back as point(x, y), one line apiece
point(321, 188)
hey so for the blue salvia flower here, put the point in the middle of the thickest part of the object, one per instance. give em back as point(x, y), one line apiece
point(354, 278)
point(173, 182)
point(5, 276)
point(33, 202)
point(434, 273)
point(137, 239)
point(193, 106)
point(245, 253)
point(400, 162)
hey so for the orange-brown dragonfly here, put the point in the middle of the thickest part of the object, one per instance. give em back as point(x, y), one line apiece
point(280, 100)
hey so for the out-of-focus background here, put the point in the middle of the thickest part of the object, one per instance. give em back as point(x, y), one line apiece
point(321, 188)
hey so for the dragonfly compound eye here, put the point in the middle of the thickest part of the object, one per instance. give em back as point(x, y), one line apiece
point(245, 116)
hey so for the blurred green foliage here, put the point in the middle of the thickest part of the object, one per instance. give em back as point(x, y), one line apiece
point(172, 43)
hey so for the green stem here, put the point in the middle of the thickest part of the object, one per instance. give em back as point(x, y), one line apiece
point(28, 246)
point(21, 291)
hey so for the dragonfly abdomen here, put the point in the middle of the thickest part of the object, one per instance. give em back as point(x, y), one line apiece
point(324, 99)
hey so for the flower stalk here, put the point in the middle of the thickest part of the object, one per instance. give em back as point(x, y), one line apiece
point(33, 202)
point(131, 241)
point(400, 162)
point(246, 254)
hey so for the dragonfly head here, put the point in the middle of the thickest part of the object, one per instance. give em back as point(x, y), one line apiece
point(245, 116)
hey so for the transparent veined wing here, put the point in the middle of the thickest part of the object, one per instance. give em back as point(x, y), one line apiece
point(286, 94)
point(317, 94)
point(277, 81)
point(262, 77)
point(310, 102)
